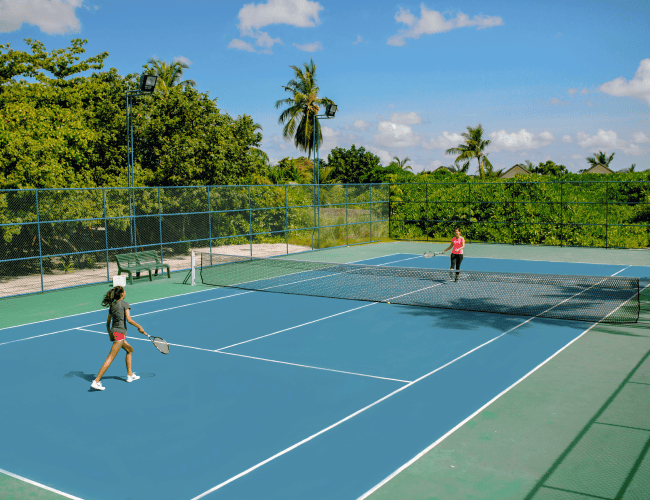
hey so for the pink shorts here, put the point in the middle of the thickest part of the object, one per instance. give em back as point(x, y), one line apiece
point(117, 337)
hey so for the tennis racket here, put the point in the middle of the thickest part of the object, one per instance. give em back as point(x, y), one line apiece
point(160, 344)
point(428, 255)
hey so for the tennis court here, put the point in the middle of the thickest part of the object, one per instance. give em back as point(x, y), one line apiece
point(290, 396)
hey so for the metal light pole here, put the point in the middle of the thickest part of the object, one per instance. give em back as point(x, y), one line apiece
point(146, 87)
point(330, 111)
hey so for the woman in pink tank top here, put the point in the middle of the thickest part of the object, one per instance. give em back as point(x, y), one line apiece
point(457, 243)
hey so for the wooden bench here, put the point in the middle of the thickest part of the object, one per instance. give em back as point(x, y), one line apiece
point(140, 261)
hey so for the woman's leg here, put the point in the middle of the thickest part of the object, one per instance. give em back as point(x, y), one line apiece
point(129, 355)
point(459, 259)
point(111, 356)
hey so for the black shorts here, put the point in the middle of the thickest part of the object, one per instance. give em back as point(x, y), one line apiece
point(456, 258)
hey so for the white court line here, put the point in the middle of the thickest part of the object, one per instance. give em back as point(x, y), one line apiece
point(622, 270)
point(460, 424)
point(262, 359)
point(24, 479)
point(287, 450)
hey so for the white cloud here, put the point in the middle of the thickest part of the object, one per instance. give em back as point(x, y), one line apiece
point(432, 22)
point(572, 91)
point(577, 157)
point(584, 91)
point(183, 60)
point(264, 40)
point(444, 141)
point(384, 155)
point(406, 118)
point(555, 102)
point(566, 138)
point(396, 135)
point(298, 13)
point(632, 149)
point(640, 137)
point(309, 47)
point(638, 87)
point(54, 17)
point(362, 124)
point(602, 139)
point(359, 40)
point(520, 140)
point(238, 44)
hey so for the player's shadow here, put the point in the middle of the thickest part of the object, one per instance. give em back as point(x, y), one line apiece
point(89, 377)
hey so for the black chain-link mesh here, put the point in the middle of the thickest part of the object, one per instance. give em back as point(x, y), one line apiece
point(609, 299)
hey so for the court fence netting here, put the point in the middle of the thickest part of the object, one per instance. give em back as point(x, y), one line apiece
point(59, 238)
point(606, 299)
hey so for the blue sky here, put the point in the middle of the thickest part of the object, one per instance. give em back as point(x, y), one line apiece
point(548, 80)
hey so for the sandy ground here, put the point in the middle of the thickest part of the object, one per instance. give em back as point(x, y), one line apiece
point(58, 279)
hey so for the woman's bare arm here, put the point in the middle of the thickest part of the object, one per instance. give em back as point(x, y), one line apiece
point(128, 318)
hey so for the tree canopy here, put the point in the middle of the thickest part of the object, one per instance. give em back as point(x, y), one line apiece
point(68, 130)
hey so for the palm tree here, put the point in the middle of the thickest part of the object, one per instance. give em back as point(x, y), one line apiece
point(473, 148)
point(402, 163)
point(600, 159)
point(169, 75)
point(303, 105)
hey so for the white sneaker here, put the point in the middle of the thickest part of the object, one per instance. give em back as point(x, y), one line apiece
point(97, 386)
point(131, 378)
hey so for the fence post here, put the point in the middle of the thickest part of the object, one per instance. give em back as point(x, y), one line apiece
point(606, 214)
point(162, 257)
point(250, 221)
point(512, 230)
point(426, 205)
point(370, 213)
point(38, 228)
point(469, 208)
point(210, 218)
point(286, 216)
point(347, 226)
point(561, 215)
point(108, 270)
point(389, 210)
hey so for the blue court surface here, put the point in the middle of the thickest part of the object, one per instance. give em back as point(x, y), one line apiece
point(263, 395)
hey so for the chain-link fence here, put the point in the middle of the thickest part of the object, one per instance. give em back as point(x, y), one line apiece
point(56, 238)
point(608, 214)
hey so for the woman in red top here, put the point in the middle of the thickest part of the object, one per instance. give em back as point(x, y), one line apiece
point(457, 243)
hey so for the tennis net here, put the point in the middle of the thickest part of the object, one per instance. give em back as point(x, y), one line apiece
point(609, 299)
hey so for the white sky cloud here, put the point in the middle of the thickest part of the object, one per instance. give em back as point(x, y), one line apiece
point(396, 135)
point(432, 22)
point(572, 91)
point(183, 60)
point(309, 47)
point(577, 157)
point(238, 44)
point(520, 140)
point(358, 40)
point(362, 124)
point(406, 118)
point(584, 91)
point(602, 139)
point(445, 141)
point(638, 87)
point(298, 13)
point(384, 155)
point(54, 17)
point(640, 137)
point(566, 138)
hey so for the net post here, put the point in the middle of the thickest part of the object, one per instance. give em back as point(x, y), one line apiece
point(193, 268)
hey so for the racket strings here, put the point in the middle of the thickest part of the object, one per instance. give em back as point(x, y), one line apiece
point(160, 344)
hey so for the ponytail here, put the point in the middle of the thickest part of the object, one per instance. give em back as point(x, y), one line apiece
point(112, 295)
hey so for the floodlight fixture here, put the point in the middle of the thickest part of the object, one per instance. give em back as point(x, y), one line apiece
point(147, 83)
point(331, 110)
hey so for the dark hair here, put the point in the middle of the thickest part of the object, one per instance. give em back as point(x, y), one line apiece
point(112, 295)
